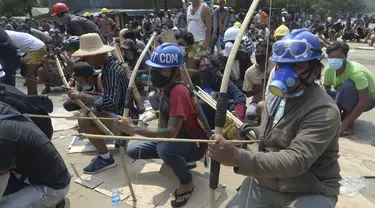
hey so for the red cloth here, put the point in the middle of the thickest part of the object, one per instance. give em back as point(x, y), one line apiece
point(182, 105)
point(45, 27)
point(240, 111)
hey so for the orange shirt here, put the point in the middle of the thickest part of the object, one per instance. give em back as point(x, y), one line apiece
point(263, 18)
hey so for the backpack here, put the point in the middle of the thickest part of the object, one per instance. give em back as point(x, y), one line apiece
point(30, 104)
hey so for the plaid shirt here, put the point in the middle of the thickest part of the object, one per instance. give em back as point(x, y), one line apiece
point(115, 83)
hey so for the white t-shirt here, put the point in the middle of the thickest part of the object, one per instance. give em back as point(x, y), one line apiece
point(258, 19)
point(24, 41)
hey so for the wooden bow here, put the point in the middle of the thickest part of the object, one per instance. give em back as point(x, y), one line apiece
point(222, 103)
point(100, 125)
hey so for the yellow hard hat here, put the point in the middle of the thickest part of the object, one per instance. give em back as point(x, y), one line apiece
point(281, 31)
point(139, 27)
point(104, 10)
point(329, 19)
point(87, 14)
point(237, 24)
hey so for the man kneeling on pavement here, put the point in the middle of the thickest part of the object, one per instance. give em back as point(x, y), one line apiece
point(353, 83)
point(32, 172)
point(297, 163)
point(178, 118)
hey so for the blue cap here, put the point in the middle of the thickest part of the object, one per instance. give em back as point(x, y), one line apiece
point(167, 55)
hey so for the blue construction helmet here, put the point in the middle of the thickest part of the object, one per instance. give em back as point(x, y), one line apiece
point(297, 46)
point(167, 55)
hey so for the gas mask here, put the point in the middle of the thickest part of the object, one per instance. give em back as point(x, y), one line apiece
point(285, 78)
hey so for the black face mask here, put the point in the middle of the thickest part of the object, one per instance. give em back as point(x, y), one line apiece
point(260, 59)
point(159, 80)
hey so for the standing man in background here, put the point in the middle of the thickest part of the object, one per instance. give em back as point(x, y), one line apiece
point(107, 27)
point(181, 19)
point(220, 22)
point(34, 50)
point(199, 19)
point(257, 19)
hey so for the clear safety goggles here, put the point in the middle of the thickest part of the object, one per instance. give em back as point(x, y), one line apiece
point(296, 48)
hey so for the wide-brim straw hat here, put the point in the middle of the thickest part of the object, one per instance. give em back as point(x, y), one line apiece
point(90, 45)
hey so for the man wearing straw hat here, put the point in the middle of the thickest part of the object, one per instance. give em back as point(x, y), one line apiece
point(178, 118)
point(110, 104)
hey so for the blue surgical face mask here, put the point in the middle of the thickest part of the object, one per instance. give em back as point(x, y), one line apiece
point(182, 48)
point(335, 63)
point(285, 78)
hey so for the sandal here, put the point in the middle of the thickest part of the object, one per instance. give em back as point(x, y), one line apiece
point(175, 203)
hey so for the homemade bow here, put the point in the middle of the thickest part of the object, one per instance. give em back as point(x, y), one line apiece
point(100, 125)
point(222, 103)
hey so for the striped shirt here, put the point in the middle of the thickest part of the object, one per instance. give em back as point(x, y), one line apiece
point(115, 82)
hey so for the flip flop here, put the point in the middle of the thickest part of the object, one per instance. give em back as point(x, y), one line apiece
point(174, 202)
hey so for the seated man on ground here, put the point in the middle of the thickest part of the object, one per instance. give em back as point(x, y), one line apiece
point(110, 104)
point(335, 31)
point(178, 119)
point(348, 32)
point(255, 77)
point(297, 163)
point(47, 72)
point(32, 172)
point(34, 50)
point(320, 35)
point(371, 36)
point(86, 81)
point(353, 83)
point(211, 82)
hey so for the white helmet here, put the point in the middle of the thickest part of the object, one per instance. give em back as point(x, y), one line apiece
point(231, 33)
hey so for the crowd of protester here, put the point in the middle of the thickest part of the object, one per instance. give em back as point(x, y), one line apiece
point(199, 39)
